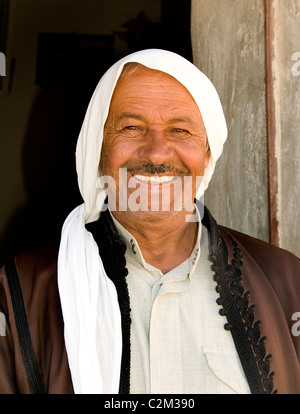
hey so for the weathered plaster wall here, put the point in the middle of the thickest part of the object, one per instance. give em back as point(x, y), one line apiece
point(229, 47)
point(286, 45)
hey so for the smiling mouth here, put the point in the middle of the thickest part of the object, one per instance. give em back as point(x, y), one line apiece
point(156, 179)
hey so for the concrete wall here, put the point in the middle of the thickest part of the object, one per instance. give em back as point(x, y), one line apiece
point(228, 39)
point(228, 46)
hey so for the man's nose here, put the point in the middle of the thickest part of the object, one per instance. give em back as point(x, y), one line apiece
point(156, 148)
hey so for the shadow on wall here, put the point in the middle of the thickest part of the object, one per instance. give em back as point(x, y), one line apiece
point(68, 70)
point(48, 158)
point(48, 162)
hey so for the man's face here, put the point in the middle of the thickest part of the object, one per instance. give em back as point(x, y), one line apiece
point(155, 131)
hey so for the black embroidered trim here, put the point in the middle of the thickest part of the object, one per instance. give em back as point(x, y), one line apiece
point(112, 251)
point(252, 328)
point(240, 314)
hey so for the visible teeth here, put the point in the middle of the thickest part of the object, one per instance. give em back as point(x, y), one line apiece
point(154, 178)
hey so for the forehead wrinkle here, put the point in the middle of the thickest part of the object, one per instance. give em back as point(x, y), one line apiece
point(181, 119)
point(130, 115)
point(176, 111)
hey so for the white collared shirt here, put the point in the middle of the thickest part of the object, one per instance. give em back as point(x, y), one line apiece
point(178, 341)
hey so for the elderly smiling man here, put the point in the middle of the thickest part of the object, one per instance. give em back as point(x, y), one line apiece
point(149, 294)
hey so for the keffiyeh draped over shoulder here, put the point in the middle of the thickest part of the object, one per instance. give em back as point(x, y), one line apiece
point(89, 301)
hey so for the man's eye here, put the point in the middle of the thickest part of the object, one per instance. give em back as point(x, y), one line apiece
point(132, 127)
point(130, 130)
point(181, 131)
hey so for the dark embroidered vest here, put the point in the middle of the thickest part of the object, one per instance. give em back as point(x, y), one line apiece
point(233, 300)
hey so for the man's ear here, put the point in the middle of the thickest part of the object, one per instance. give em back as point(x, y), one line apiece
point(207, 156)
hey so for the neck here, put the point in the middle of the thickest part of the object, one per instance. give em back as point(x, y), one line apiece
point(164, 243)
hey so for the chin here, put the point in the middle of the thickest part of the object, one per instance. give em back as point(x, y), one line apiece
point(154, 216)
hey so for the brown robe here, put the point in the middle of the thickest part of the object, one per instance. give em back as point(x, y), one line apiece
point(254, 272)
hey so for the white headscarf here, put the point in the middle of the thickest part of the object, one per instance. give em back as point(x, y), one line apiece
point(90, 307)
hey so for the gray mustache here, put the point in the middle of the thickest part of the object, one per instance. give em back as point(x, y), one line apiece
point(150, 168)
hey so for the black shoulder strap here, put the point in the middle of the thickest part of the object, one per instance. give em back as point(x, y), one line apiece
point(30, 363)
